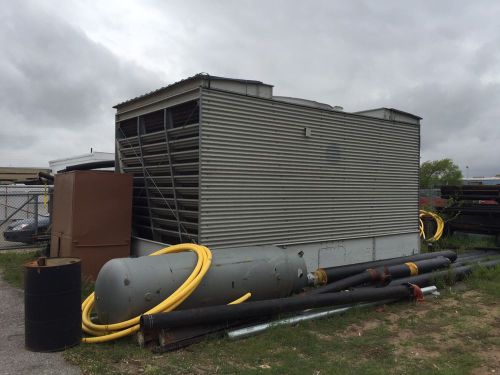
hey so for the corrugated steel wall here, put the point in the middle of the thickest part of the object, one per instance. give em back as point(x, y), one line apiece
point(264, 181)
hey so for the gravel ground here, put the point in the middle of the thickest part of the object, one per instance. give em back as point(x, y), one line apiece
point(14, 358)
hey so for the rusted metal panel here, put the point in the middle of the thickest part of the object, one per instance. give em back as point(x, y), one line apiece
point(91, 217)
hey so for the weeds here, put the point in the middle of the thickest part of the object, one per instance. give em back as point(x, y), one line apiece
point(11, 265)
point(459, 242)
point(486, 280)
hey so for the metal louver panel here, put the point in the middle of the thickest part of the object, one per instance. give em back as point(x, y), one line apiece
point(272, 172)
point(162, 151)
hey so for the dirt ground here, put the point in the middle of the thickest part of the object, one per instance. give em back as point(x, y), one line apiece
point(427, 329)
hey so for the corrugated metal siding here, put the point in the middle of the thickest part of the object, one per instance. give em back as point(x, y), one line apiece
point(263, 181)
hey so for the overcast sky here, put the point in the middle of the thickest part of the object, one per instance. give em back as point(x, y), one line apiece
point(65, 64)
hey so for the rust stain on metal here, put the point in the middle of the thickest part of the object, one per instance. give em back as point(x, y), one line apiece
point(92, 214)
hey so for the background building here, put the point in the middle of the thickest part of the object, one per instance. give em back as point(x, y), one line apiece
point(60, 164)
point(12, 175)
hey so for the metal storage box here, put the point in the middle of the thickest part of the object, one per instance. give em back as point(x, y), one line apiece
point(91, 217)
point(223, 163)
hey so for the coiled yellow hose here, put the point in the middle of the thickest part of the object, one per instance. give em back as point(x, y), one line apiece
point(108, 332)
point(439, 222)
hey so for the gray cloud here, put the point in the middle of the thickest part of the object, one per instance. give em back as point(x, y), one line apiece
point(56, 74)
point(67, 64)
point(58, 87)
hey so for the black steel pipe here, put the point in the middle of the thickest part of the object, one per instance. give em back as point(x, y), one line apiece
point(369, 276)
point(476, 259)
point(488, 249)
point(456, 273)
point(487, 261)
point(336, 273)
point(471, 256)
point(89, 166)
point(419, 267)
point(46, 176)
point(471, 253)
point(382, 275)
point(247, 310)
point(476, 253)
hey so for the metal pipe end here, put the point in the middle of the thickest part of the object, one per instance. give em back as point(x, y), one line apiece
point(146, 321)
point(319, 277)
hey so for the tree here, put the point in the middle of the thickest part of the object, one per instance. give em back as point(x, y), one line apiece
point(437, 173)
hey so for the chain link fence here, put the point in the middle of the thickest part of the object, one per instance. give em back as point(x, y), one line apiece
point(24, 216)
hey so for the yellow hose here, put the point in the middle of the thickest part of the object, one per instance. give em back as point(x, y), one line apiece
point(108, 332)
point(439, 222)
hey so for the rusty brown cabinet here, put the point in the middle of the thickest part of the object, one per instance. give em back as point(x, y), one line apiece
point(92, 213)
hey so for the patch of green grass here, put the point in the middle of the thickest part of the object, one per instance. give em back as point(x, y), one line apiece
point(11, 265)
point(486, 280)
point(306, 348)
point(454, 361)
point(323, 346)
point(469, 310)
point(461, 242)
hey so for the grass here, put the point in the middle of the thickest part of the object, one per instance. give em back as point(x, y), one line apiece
point(302, 349)
point(455, 334)
point(460, 242)
point(412, 341)
point(11, 265)
point(486, 280)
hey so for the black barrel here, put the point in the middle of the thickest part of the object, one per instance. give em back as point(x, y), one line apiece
point(52, 304)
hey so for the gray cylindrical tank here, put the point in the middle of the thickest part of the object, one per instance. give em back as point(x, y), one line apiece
point(128, 287)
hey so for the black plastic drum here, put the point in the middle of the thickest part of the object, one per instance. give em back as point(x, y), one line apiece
point(52, 304)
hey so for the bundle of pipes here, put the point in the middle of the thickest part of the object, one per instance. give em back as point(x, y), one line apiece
point(420, 273)
point(383, 274)
point(462, 268)
point(455, 273)
point(272, 307)
point(176, 329)
point(250, 330)
point(400, 278)
point(383, 271)
point(331, 274)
